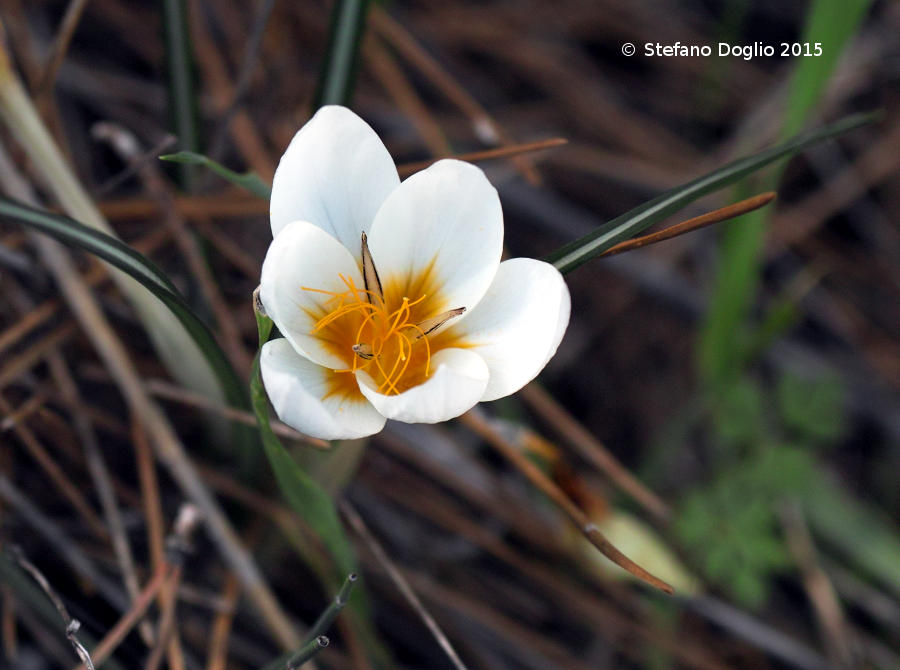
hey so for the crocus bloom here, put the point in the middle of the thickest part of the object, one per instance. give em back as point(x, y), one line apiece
point(391, 297)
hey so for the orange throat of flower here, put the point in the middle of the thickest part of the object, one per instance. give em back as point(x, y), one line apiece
point(387, 338)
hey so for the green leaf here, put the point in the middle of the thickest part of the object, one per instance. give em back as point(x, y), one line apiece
point(123, 257)
point(338, 73)
point(831, 23)
point(305, 496)
point(179, 63)
point(631, 223)
point(248, 180)
point(738, 415)
point(70, 232)
point(812, 408)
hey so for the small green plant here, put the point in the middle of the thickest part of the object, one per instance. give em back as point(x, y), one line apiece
point(763, 449)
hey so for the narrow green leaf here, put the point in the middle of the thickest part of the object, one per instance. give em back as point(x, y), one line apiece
point(129, 261)
point(179, 62)
point(830, 24)
point(108, 248)
point(248, 180)
point(631, 223)
point(305, 496)
point(338, 73)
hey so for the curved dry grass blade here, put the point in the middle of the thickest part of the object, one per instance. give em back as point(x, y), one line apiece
point(400, 582)
point(508, 151)
point(536, 476)
point(696, 223)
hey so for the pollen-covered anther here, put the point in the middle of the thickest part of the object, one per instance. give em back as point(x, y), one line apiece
point(363, 350)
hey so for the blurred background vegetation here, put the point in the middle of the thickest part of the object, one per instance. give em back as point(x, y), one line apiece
point(725, 405)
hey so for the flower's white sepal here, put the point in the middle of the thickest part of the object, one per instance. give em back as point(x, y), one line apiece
point(456, 384)
point(305, 255)
point(448, 217)
point(519, 323)
point(336, 173)
point(298, 390)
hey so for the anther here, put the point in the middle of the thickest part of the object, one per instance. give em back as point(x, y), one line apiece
point(427, 326)
point(370, 274)
point(363, 350)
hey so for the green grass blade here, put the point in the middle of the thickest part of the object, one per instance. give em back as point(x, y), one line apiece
point(179, 62)
point(304, 495)
point(831, 23)
point(108, 248)
point(248, 180)
point(631, 223)
point(338, 73)
point(117, 253)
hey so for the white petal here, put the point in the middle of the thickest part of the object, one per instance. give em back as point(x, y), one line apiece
point(303, 395)
point(518, 325)
point(455, 386)
point(446, 219)
point(304, 255)
point(335, 174)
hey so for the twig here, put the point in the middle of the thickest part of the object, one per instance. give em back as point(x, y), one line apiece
point(123, 626)
point(485, 127)
point(400, 582)
point(225, 205)
point(94, 277)
point(60, 46)
point(72, 625)
point(100, 474)
point(135, 164)
point(21, 362)
point(20, 414)
point(717, 216)
point(8, 613)
point(66, 548)
point(404, 95)
point(248, 63)
point(218, 641)
point(591, 449)
point(759, 634)
point(168, 391)
point(407, 169)
point(57, 474)
point(474, 420)
point(242, 129)
point(126, 145)
point(178, 546)
point(169, 447)
point(821, 593)
point(153, 514)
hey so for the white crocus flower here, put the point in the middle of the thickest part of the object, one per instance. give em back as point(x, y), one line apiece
point(391, 297)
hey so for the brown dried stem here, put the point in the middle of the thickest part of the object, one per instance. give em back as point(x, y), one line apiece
point(478, 424)
point(698, 222)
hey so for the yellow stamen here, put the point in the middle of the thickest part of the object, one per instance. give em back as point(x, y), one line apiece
point(379, 338)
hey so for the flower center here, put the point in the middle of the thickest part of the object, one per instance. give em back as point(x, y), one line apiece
point(384, 342)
